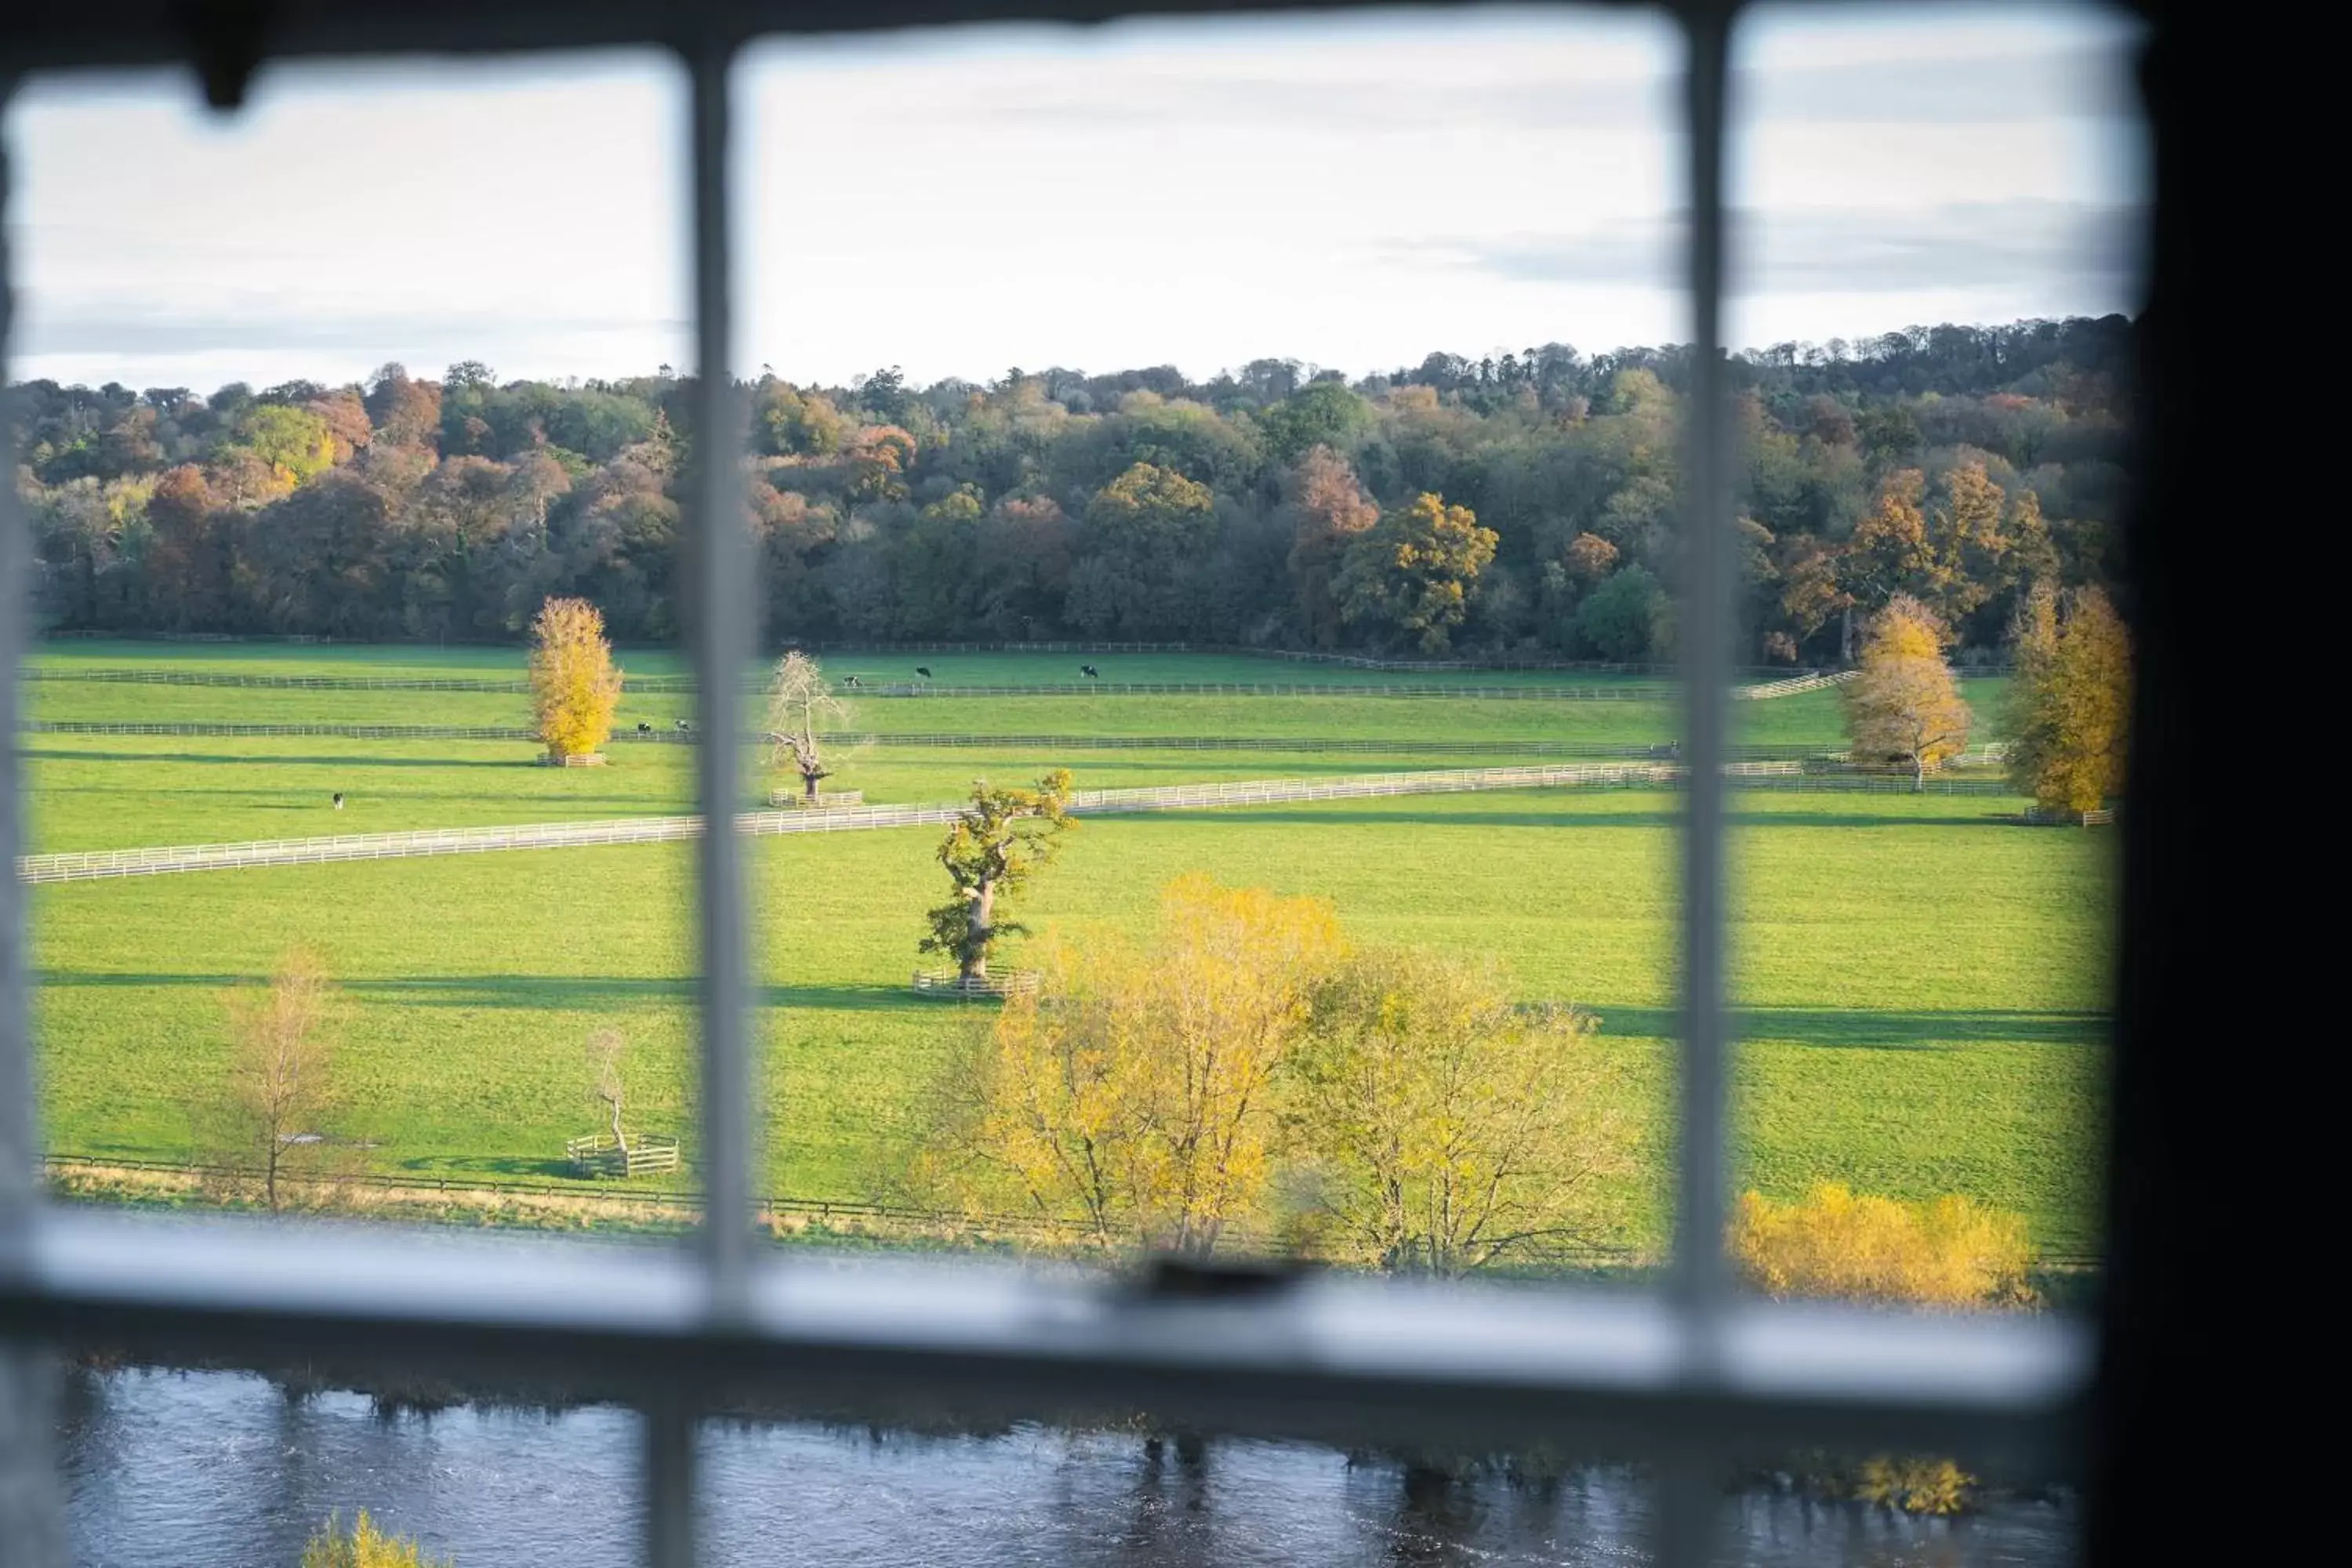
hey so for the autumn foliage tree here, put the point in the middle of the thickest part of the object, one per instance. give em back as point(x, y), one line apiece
point(2070, 699)
point(991, 849)
point(274, 1129)
point(575, 685)
point(1328, 510)
point(1412, 573)
point(1444, 1128)
point(1136, 1091)
point(1902, 705)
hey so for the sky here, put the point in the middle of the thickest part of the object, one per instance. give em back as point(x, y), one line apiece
point(1353, 193)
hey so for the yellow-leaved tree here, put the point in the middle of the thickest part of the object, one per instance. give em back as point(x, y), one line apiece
point(1902, 705)
point(1440, 1127)
point(1135, 1091)
point(574, 684)
point(2070, 699)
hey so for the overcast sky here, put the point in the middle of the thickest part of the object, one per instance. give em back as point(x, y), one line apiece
point(1352, 193)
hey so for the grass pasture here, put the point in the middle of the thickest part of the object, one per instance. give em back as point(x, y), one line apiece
point(1921, 985)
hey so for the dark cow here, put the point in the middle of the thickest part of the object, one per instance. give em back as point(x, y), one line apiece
point(683, 726)
point(924, 670)
point(1090, 672)
point(644, 728)
point(339, 800)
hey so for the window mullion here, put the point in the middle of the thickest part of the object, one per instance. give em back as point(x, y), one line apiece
point(723, 648)
point(1704, 631)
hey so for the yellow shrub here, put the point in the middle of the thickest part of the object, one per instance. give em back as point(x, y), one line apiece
point(364, 1547)
point(1953, 1252)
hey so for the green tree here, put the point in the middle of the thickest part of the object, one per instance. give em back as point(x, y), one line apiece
point(1902, 705)
point(294, 442)
point(1619, 619)
point(1411, 574)
point(1004, 838)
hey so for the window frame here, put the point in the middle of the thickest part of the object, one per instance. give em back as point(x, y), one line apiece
point(1694, 1378)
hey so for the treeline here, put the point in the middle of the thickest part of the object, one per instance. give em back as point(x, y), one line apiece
point(1525, 503)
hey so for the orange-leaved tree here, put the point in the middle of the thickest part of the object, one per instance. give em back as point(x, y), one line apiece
point(574, 684)
point(1902, 705)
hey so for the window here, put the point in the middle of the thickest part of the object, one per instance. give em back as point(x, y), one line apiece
point(1694, 1380)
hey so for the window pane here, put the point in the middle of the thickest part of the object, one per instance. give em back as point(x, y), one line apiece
point(288, 588)
point(1937, 243)
point(1159, 555)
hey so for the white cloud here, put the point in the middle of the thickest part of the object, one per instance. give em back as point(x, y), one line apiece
point(1353, 191)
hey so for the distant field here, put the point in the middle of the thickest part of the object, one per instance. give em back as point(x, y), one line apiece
point(1922, 983)
point(947, 668)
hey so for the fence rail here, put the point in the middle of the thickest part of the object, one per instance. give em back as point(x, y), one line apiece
point(647, 1154)
point(949, 983)
point(79, 865)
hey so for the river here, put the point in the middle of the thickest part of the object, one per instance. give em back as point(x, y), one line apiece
point(221, 1469)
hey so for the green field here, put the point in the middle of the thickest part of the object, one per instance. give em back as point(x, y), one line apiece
point(1921, 984)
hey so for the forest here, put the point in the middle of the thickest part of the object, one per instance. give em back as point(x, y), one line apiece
point(1521, 504)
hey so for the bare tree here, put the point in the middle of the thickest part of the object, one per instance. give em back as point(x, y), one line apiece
point(800, 701)
point(282, 1104)
point(607, 1049)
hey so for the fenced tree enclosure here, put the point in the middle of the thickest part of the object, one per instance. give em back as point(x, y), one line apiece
point(575, 685)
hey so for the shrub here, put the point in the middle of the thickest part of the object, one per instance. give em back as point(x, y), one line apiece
point(1951, 1253)
point(364, 1547)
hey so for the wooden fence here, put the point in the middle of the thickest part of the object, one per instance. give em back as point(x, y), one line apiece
point(647, 1155)
point(949, 982)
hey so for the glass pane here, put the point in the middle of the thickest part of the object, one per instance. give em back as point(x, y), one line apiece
point(1937, 251)
point(1038, 494)
point(317, 929)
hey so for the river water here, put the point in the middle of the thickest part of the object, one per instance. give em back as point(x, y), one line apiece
point(219, 1469)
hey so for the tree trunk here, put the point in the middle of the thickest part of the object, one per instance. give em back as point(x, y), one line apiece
point(619, 1140)
point(1918, 772)
point(809, 782)
point(975, 953)
point(1846, 637)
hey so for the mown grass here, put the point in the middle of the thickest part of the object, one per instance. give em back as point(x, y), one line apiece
point(1921, 985)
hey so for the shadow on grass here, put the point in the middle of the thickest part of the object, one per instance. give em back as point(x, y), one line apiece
point(489, 1165)
point(553, 992)
point(1840, 1029)
point(1475, 819)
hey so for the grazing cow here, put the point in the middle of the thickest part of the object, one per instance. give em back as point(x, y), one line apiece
point(851, 680)
point(1090, 672)
point(339, 800)
point(683, 726)
point(644, 728)
point(924, 670)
